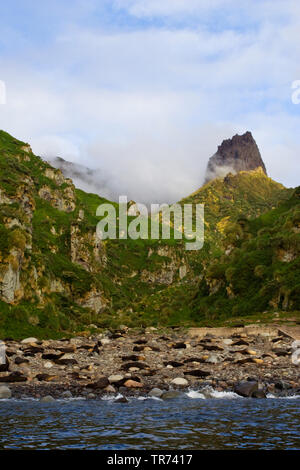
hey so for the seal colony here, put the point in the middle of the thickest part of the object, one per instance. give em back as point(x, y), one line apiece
point(158, 363)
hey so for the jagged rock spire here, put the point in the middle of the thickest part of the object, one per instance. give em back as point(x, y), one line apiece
point(240, 153)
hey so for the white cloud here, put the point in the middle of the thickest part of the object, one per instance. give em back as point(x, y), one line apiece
point(149, 106)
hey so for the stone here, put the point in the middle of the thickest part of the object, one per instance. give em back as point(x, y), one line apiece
point(45, 377)
point(133, 384)
point(105, 341)
point(180, 382)
point(48, 365)
point(156, 393)
point(173, 363)
point(135, 364)
point(110, 389)
point(121, 400)
point(66, 360)
point(115, 378)
point(259, 394)
point(101, 383)
point(170, 395)
point(227, 341)
point(13, 378)
point(237, 154)
point(47, 399)
point(256, 360)
point(179, 345)
point(29, 340)
point(21, 360)
point(5, 392)
point(197, 373)
point(67, 394)
point(246, 389)
point(214, 359)
point(4, 367)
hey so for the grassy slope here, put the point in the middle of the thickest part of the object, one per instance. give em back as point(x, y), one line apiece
point(130, 300)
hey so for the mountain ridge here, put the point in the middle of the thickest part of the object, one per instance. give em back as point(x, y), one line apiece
point(56, 278)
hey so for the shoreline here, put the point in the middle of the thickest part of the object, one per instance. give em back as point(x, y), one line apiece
point(153, 363)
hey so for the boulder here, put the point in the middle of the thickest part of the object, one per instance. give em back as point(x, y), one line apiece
point(101, 383)
point(170, 395)
point(246, 389)
point(5, 392)
point(121, 400)
point(29, 340)
point(197, 373)
point(21, 360)
point(13, 377)
point(259, 394)
point(179, 381)
point(156, 392)
point(114, 379)
point(47, 399)
point(133, 384)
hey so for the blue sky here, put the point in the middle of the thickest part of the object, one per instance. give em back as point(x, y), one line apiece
point(145, 90)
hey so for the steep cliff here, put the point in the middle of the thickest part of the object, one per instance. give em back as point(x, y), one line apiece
point(240, 153)
point(57, 277)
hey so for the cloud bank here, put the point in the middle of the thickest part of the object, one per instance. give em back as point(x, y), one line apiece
point(146, 90)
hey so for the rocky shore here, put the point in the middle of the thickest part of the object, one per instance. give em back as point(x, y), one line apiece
point(149, 362)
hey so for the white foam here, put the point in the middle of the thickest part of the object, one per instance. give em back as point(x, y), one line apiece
point(195, 394)
point(292, 397)
point(209, 392)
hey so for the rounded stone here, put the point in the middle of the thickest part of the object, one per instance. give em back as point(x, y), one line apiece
point(47, 399)
point(29, 340)
point(170, 395)
point(115, 378)
point(155, 392)
point(5, 392)
point(180, 381)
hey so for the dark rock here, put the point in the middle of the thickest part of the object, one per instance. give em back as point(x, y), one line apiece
point(133, 357)
point(32, 351)
point(45, 377)
point(197, 373)
point(121, 400)
point(66, 361)
point(246, 389)
point(141, 341)
point(101, 383)
point(138, 348)
point(21, 360)
point(179, 345)
point(241, 342)
point(237, 154)
point(259, 394)
point(14, 377)
point(280, 352)
point(52, 356)
point(5, 367)
point(213, 347)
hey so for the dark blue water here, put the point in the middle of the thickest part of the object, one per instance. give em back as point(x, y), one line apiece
point(183, 423)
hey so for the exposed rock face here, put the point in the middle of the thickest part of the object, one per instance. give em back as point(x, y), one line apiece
point(237, 154)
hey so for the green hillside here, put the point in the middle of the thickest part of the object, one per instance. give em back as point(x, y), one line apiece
point(57, 277)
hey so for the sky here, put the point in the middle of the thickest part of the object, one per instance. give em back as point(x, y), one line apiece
point(145, 90)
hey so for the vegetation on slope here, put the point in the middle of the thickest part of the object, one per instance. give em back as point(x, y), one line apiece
point(56, 278)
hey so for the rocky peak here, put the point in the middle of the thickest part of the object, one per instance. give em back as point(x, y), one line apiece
point(240, 153)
